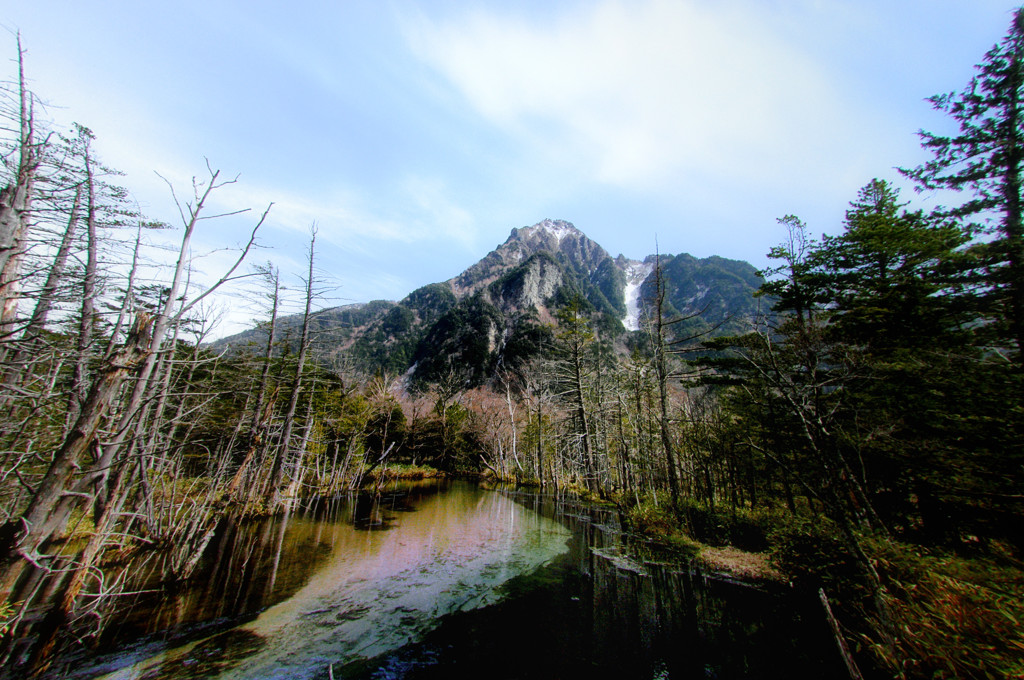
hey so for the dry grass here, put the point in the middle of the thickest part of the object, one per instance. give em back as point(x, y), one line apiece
point(956, 617)
point(405, 472)
point(740, 564)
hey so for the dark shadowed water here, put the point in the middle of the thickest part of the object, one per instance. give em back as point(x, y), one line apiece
point(448, 580)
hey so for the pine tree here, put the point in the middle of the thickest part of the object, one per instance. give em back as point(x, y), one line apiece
point(895, 279)
point(985, 158)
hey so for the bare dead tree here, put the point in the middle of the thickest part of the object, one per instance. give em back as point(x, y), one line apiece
point(280, 461)
point(62, 488)
point(23, 540)
point(87, 320)
point(16, 202)
point(261, 414)
point(660, 346)
point(191, 215)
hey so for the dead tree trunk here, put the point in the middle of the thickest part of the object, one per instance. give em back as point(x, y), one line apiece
point(540, 441)
point(295, 488)
point(49, 292)
point(87, 321)
point(129, 292)
point(15, 204)
point(661, 367)
point(281, 459)
point(22, 540)
point(261, 423)
point(261, 412)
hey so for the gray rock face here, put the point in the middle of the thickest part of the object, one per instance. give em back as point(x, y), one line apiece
point(539, 281)
point(556, 237)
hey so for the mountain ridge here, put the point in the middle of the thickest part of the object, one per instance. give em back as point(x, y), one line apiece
point(502, 309)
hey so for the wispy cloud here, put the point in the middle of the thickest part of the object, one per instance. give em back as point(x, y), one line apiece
point(418, 209)
point(432, 212)
point(645, 95)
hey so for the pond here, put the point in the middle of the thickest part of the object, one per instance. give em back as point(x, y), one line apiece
point(446, 579)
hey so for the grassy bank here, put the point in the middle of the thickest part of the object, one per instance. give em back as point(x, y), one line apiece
point(714, 551)
point(402, 471)
point(953, 614)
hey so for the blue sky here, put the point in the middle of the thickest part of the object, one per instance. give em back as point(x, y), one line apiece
point(418, 134)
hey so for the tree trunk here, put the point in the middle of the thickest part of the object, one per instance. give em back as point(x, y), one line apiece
point(661, 366)
point(49, 292)
point(280, 461)
point(540, 443)
point(86, 323)
point(21, 540)
point(15, 204)
point(262, 411)
point(1013, 230)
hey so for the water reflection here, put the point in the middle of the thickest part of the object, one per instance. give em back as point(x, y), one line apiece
point(451, 581)
point(371, 591)
point(600, 611)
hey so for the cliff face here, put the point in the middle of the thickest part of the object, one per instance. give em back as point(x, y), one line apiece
point(529, 285)
point(567, 244)
point(502, 309)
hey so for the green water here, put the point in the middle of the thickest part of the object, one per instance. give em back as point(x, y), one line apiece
point(448, 580)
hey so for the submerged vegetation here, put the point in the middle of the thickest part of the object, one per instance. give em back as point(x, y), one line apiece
point(865, 434)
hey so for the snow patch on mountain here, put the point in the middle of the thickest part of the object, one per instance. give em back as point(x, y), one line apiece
point(636, 273)
point(557, 228)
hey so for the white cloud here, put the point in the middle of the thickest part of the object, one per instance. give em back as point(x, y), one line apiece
point(644, 95)
point(420, 209)
point(432, 213)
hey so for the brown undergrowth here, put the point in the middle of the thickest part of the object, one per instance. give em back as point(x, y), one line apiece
point(661, 525)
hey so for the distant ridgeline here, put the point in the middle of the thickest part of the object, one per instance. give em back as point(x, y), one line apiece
point(503, 309)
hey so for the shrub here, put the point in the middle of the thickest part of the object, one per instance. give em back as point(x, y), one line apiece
point(813, 554)
point(955, 617)
point(740, 527)
point(658, 523)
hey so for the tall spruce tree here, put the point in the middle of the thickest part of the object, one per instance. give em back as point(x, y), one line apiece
point(895, 280)
point(985, 158)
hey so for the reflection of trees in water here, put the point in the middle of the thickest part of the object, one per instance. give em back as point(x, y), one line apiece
point(650, 615)
point(373, 510)
point(596, 606)
point(249, 566)
point(252, 565)
point(209, 657)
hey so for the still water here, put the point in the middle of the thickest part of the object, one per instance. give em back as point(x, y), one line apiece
point(448, 580)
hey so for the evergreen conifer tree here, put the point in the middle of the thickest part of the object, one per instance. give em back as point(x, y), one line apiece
point(985, 158)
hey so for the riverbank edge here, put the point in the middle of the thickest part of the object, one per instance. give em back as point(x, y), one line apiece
point(727, 561)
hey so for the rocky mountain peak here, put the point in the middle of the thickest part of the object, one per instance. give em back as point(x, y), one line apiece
point(559, 238)
point(547, 233)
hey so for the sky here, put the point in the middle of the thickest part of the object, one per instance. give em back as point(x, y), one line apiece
point(416, 135)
